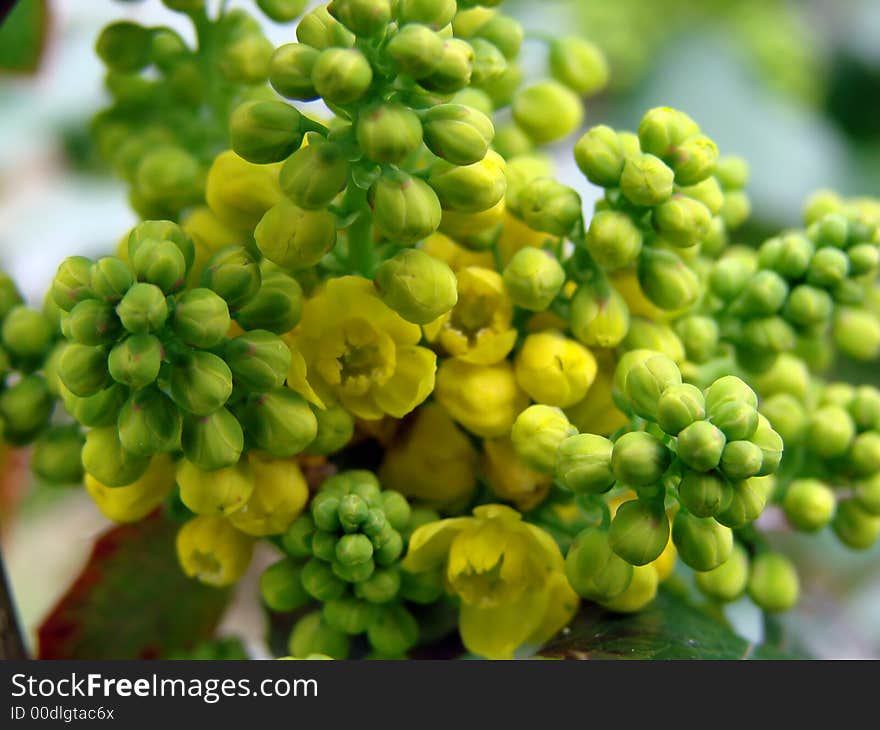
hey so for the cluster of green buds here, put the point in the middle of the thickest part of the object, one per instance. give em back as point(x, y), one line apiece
point(153, 367)
point(171, 101)
point(798, 288)
point(343, 562)
point(29, 352)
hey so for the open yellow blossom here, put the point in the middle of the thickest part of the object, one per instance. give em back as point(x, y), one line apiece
point(431, 460)
point(510, 478)
point(212, 551)
point(509, 575)
point(361, 353)
point(478, 329)
point(239, 192)
point(555, 370)
point(136, 500)
point(457, 257)
point(279, 495)
point(485, 399)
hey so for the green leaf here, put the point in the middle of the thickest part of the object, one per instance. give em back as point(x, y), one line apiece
point(132, 601)
point(669, 628)
point(23, 36)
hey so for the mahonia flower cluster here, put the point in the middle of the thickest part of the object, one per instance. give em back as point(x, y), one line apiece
point(388, 342)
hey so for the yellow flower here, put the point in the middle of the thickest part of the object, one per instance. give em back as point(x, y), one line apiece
point(432, 460)
point(213, 551)
point(555, 370)
point(279, 495)
point(485, 399)
point(509, 575)
point(510, 478)
point(597, 412)
point(478, 328)
point(456, 256)
point(136, 500)
point(239, 192)
point(361, 353)
point(221, 491)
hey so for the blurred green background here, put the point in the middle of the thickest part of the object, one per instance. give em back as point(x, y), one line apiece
point(794, 87)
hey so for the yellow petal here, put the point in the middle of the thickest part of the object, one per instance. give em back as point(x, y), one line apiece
point(296, 377)
point(497, 632)
point(491, 348)
point(562, 604)
point(412, 382)
point(429, 544)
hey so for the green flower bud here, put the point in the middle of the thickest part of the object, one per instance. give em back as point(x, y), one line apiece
point(417, 286)
point(599, 155)
point(354, 549)
point(91, 322)
point(728, 581)
point(709, 193)
point(405, 208)
point(533, 278)
point(362, 17)
point(736, 420)
point(865, 408)
point(537, 433)
point(639, 532)
point(353, 512)
point(867, 494)
point(135, 361)
point(280, 422)
point(281, 587)
point(389, 133)
point(647, 380)
point(809, 504)
point(682, 221)
point(99, 409)
point(504, 32)
point(458, 134)
point(530, 107)
point(417, 50)
point(700, 446)
point(453, 70)
point(830, 431)
point(773, 582)
point(662, 130)
point(69, 288)
point(639, 459)
point(666, 280)
point(422, 588)
point(315, 174)
point(828, 267)
point(393, 631)
point(246, 59)
point(277, 306)
point(829, 227)
point(762, 339)
point(348, 615)
point(149, 423)
point(83, 369)
point(808, 306)
point(470, 188)
point(864, 259)
point(489, 63)
point(747, 501)
point(56, 457)
point(397, 509)
point(70, 285)
point(201, 318)
point(200, 382)
point(295, 238)
point(703, 494)
point(700, 336)
point(864, 456)
point(857, 333)
point(27, 334)
point(741, 459)
point(549, 206)
point(290, 71)
point(703, 544)
point(763, 294)
point(342, 75)
point(770, 443)
point(788, 255)
point(578, 64)
point(25, 409)
point(320, 582)
point(729, 276)
point(233, 275)
point(110, 278)
point(694, 160)
point(124, 47)
point(434, 13)
point(258, 360)
point(787, 416)
point(353, 573)
point(319, 29)
point(646, 180)
point(599, 321)
point(335, 429)
point(161, 231)
point(160, 263)
point(265, 131)
point(382, 586)
point(856, 527)
point(645, 334)
point(583, 464)
point(282, 11)
point(104, 457)
point(680, 406)
point(613, 240)
point(732, 172)
point(167, 179)
point(325, 511)
point(510, 141)
point(312, 635)
point(593, 569)
point(212, 442)
point(729, 388)
point(143, 309)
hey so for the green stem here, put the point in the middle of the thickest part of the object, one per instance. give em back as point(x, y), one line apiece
point(360, 244)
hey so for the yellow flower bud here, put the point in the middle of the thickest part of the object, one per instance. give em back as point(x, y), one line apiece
point(280, 492)
point(212, 551)
point(510, 478)
point(240, 192)
point(640, 593)
point(555, 370)
point(600, 321)
point(221, 491)
point(134, 501)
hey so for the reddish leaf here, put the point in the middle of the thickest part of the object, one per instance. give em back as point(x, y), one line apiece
point(131, 600)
